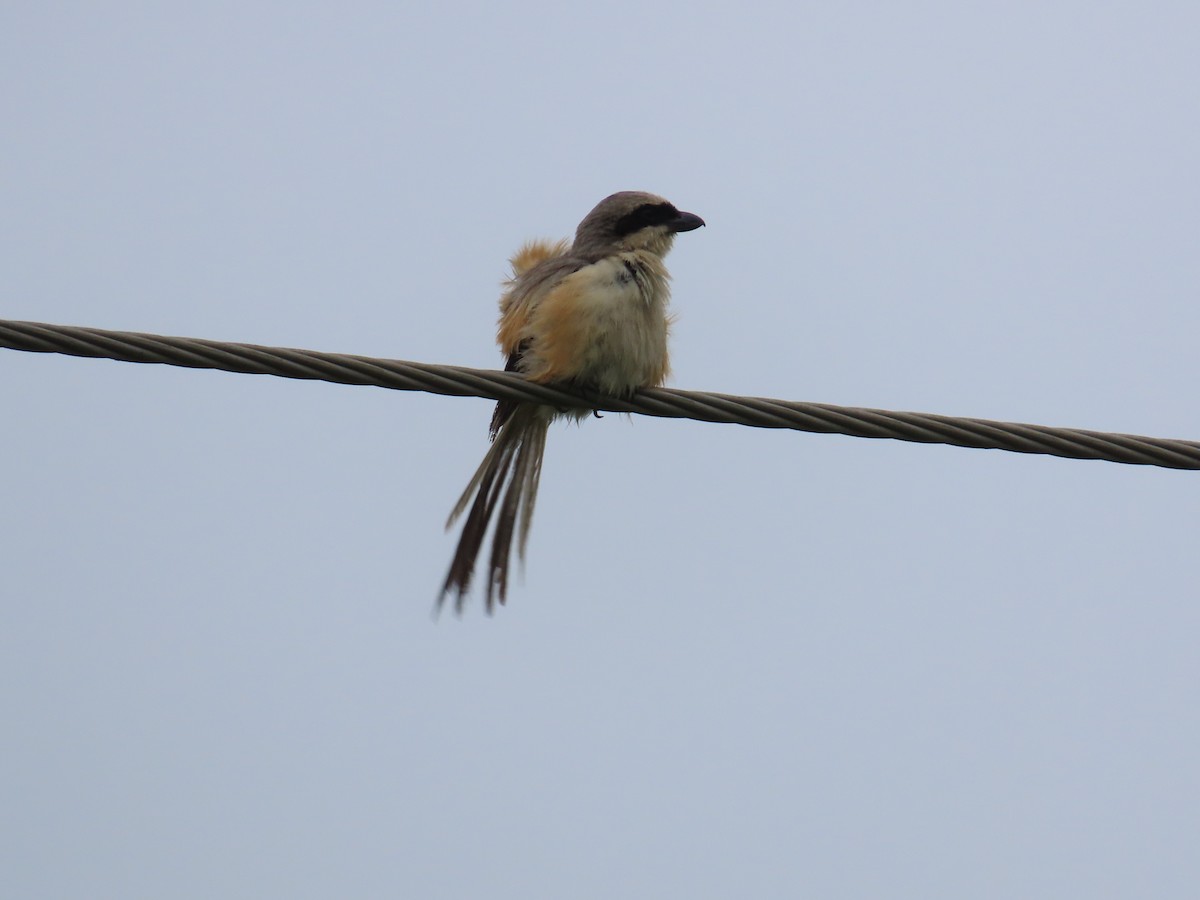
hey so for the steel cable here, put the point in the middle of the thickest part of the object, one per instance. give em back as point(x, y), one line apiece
point(456, 381)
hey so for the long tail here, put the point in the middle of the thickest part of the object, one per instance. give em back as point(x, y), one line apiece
point(505, 482)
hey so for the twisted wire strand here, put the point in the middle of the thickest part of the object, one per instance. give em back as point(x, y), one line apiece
point(456, 381)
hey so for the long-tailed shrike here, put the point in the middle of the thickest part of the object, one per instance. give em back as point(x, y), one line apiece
point(590, 315)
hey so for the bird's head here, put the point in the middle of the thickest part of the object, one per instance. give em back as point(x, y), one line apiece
point(632, 220)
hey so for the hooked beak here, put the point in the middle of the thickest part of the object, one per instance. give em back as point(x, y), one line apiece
point(686, 221)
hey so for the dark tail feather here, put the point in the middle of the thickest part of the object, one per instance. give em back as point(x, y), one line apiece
point(516, 512)
point(511, 469)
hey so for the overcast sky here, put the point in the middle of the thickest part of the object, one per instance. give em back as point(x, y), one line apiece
point(741, 663)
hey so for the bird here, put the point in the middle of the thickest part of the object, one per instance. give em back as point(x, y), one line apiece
point(589, 315)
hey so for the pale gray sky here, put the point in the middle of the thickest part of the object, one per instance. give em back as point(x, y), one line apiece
point(742, 662)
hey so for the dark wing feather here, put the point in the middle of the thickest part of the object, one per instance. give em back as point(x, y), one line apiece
point(505, 408)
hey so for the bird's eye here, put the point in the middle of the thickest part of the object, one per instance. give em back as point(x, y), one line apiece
point(645, 216)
